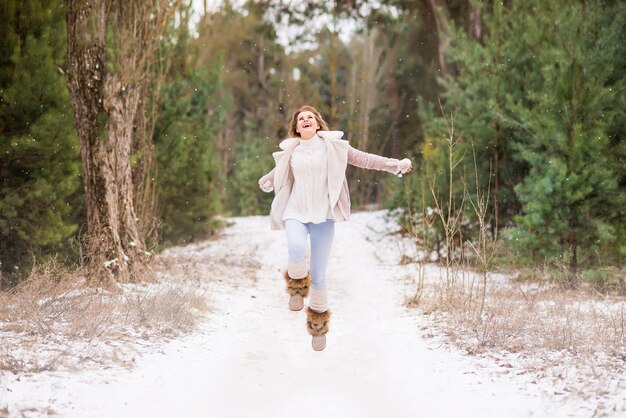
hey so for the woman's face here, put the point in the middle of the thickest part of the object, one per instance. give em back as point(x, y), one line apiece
point(306, 125)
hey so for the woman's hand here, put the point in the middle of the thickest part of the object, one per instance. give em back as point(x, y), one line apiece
point(266, 185)
point(403, 166)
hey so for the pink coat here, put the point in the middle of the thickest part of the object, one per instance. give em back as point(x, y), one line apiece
point(340, 154)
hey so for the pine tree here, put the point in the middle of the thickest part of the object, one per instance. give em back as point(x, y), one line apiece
point(188, 171)
point(251, 162)
point(571, 194)
point(40, 200)
point(490, 74)
point(538, 99)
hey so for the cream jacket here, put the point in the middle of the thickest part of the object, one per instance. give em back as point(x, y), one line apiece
point(339, 154)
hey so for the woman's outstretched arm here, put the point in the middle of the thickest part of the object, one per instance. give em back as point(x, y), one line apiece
point(376, 162)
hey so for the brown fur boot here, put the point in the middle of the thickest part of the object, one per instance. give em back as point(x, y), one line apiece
point(317, 325)
point(298, 289)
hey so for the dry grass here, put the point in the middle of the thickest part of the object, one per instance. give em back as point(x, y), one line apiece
point(530, 318)
point(573, 339)
point(53, 319)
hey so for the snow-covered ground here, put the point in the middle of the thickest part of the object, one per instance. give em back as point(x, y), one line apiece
point(251, 356)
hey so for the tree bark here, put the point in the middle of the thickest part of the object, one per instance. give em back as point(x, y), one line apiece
point(395, 118)
point(377, 64)
point(332, 61)
point(441, 15)
point(496, 149)
point(475, 23)
point(352, 102)
point(104, 109)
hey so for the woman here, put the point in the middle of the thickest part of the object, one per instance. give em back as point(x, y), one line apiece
point(311, 194)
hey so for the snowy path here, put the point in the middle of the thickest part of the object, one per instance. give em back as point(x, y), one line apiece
point(252, 357)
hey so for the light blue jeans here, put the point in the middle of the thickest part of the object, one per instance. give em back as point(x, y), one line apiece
point(322, 236)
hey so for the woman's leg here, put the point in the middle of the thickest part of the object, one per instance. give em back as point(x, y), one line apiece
point(297, 233)
point(297, 274)
point(322, 236)
point(318, 315)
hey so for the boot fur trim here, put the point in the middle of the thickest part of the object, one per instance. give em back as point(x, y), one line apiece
point(317, 322)
point(298, 286)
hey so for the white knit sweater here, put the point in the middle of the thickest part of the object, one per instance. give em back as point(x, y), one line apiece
point(309, 200)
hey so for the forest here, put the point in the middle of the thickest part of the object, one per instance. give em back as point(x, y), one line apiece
point(127, 127)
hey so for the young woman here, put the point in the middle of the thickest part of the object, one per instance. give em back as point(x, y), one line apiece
point(311, 194)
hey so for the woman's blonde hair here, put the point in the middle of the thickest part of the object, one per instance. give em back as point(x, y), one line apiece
point(294, 120)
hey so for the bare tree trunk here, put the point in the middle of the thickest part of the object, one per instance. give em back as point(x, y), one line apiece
point(332, 62)
point(395, 119)
point(86, 73)
point(441, 15)
point(475, 23)
point(369, 87)
point(378, 62)
point(352, 100)
point(120, 104)
point(496, 149)
point(105, 105)
point(393, 134)
point(262, 76)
